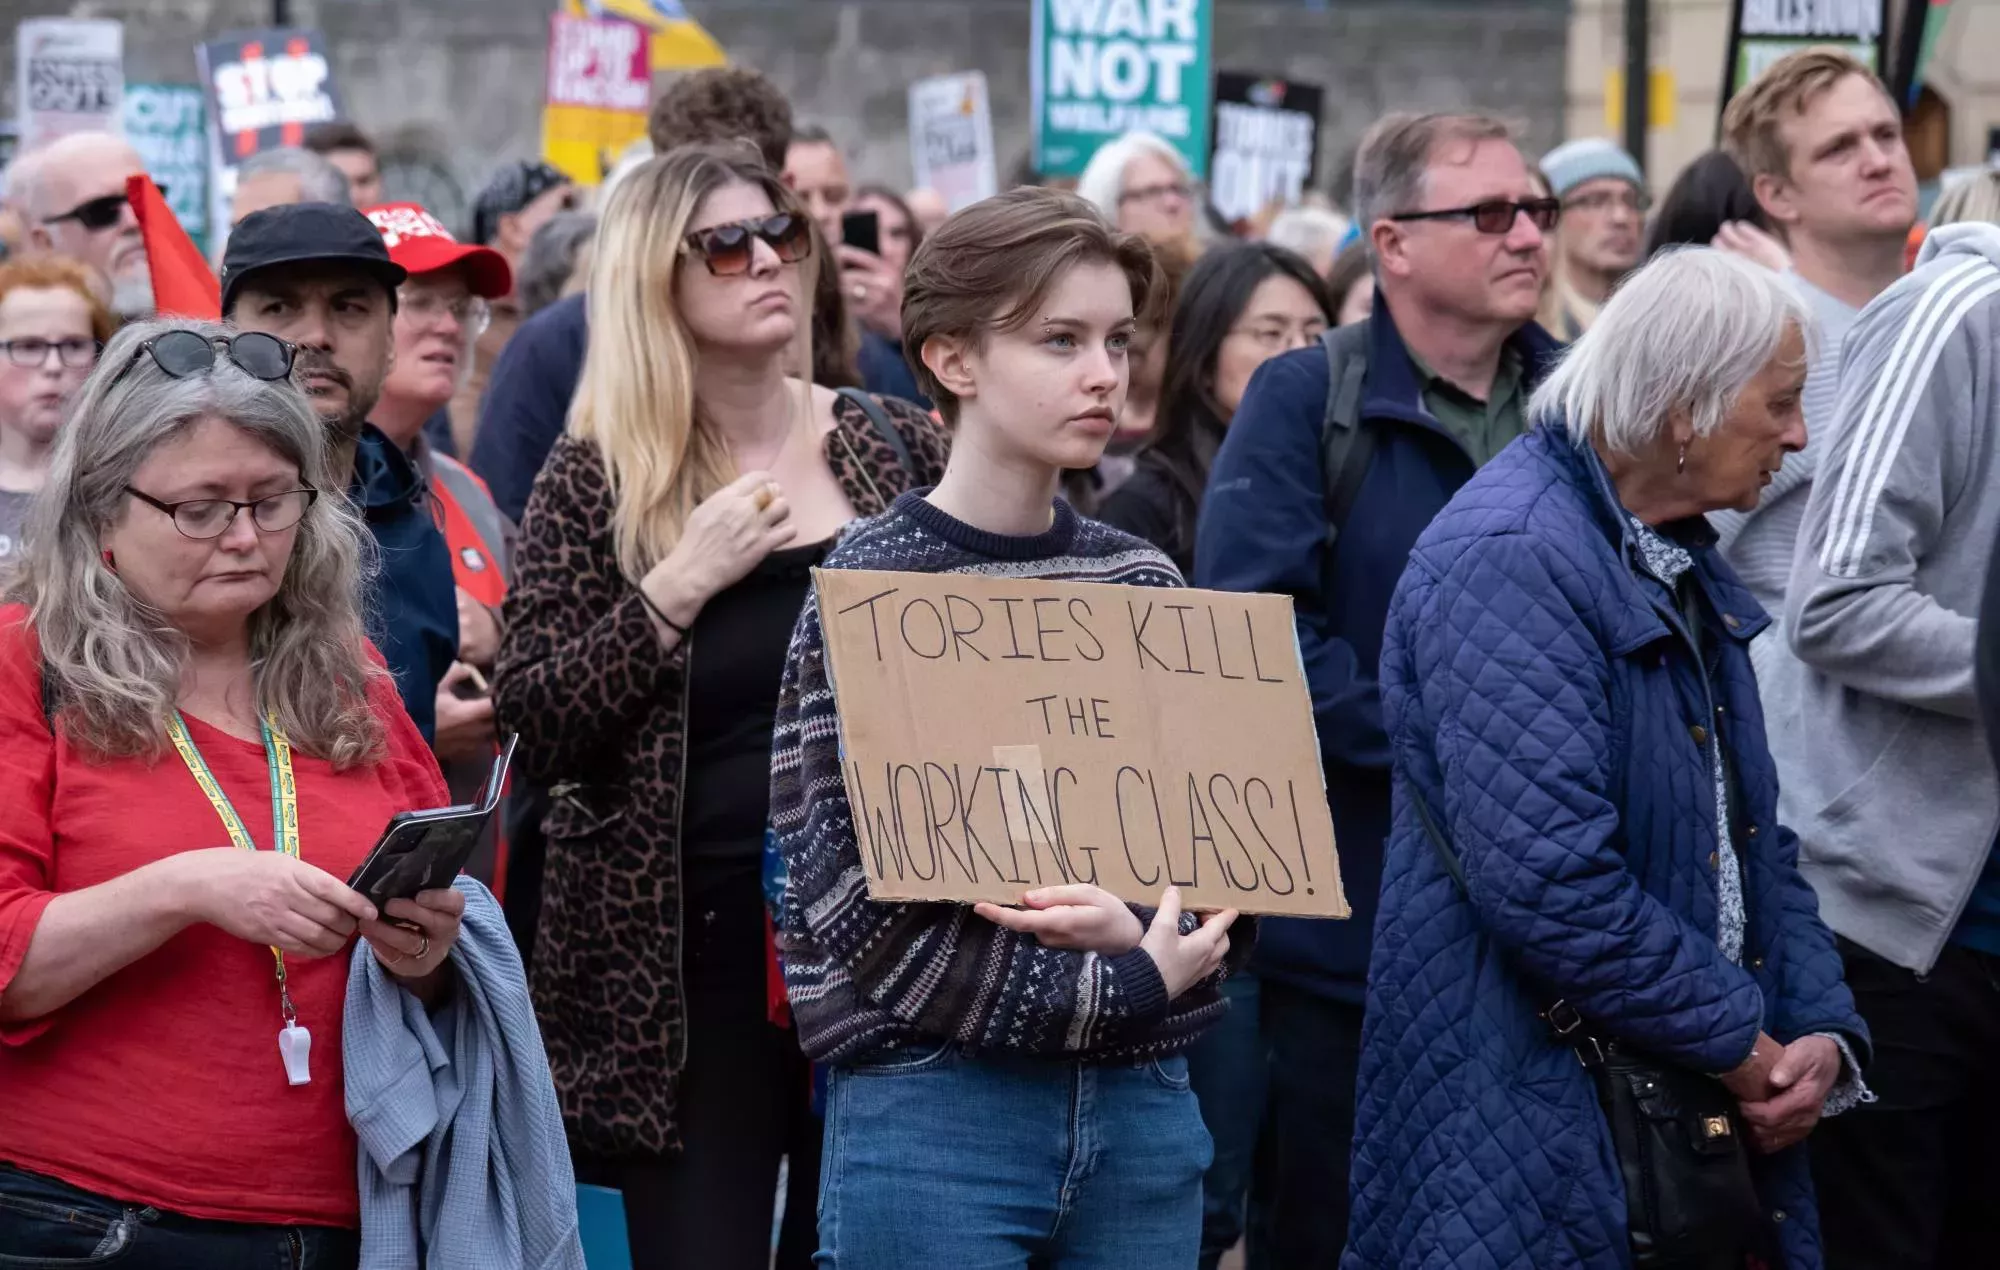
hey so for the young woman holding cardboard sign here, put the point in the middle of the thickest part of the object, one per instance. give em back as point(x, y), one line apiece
point(1056, 1028)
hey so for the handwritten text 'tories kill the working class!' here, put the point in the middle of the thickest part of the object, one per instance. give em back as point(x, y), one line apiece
point(1080, 733)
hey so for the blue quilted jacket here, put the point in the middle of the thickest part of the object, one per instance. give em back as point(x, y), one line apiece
point(1539, 694)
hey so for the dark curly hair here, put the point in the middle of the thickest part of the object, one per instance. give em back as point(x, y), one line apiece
point(723, 103)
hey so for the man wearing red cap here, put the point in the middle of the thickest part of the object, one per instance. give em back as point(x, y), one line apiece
point(442, 309)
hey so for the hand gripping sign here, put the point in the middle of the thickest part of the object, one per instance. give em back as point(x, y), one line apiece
point(999, 735)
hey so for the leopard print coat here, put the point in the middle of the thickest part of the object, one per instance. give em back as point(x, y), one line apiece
point(600, 710)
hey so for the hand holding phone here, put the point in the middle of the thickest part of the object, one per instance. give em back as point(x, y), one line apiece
point(862, 231)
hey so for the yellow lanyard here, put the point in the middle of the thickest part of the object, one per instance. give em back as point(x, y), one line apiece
point(284, 808)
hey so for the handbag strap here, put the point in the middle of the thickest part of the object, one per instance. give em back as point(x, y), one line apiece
point(1564, 1020)
point(1688, 596)
point(885, 428)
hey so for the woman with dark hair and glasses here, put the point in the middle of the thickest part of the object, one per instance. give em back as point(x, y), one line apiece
point(51, 326)
point(1239, 307)
point(197, 743)
point(662, 562)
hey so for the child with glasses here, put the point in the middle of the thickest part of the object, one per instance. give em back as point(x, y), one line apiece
point(51, 326)
point(1007, 1086)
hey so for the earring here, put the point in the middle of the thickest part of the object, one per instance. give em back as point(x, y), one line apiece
point(1682, 466)
point(110, 562)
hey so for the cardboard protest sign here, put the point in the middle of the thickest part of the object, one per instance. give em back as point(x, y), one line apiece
point(1266, 142)
point(1002, 734)
point(68, 76)
point(263, 90)
point(951, 138)
point(1101, 68)
point(600, 82)
point(164, 124)
point(1762, 31)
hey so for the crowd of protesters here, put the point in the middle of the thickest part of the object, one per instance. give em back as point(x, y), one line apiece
point(1637, 551)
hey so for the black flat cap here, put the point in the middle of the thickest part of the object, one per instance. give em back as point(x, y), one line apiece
point(305, 233)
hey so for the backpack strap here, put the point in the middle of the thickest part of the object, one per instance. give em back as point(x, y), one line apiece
point(885, 427)
point(1347, 442)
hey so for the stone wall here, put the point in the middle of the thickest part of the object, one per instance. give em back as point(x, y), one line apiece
point(453, 87)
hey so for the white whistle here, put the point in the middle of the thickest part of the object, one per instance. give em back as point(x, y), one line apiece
point(295, 1047)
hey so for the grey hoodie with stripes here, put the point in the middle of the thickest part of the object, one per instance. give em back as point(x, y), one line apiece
point(1895, 799)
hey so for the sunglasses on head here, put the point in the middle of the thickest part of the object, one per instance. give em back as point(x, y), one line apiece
point(729, 249)
point(1496, 217)
point(184, 354)
point(97, 213)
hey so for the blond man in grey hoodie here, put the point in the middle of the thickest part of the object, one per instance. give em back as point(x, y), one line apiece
point(1896, 801)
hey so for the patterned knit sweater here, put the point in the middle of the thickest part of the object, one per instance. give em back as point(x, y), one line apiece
point(863, 974)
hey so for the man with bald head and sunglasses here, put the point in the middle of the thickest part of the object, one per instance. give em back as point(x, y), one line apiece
point(319, 277)
point(71, 195)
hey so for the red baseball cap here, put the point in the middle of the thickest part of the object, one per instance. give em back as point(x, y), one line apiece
point(420, 243)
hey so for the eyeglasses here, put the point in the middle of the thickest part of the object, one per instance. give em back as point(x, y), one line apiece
point(97, 213)
point(1603, 200)
point(34, 352)
point(185, 354)
point(1496, 217)
point(205, 518)
point(1154, 193)
point(469, 311)
point(730, 249)
point(1276, 337)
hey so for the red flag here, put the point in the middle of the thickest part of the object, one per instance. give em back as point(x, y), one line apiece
point(183, 286)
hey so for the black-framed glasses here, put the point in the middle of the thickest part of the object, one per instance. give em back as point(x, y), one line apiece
point(205, 518)
point(184, 354)
point(1496, 217)
point(101, 212)
point(35, 352)
point(729, 249)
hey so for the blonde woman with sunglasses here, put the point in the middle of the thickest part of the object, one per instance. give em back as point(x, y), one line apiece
point(662, 562)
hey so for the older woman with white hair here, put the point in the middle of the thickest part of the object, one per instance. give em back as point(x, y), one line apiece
point(1585, 861)
point(1143, 186)
point(196, 745)
point(1315, 233)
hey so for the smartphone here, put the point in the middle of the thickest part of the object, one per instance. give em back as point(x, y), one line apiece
point(863, 231)
point(423, 850)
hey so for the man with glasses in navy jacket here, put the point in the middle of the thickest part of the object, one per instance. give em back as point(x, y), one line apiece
point(1337, 459)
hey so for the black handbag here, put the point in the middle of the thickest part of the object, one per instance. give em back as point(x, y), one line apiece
point(1689, 1199)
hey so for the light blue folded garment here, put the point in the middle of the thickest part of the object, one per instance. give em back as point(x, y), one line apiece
point(463, 1164)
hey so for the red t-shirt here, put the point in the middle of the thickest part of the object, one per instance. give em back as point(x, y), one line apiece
point(162, 1085)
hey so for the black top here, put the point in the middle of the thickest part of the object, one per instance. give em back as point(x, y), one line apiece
point(1152, 506)
point(735, 661)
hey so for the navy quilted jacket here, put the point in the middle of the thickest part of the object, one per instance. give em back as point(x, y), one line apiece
point(1537, 691)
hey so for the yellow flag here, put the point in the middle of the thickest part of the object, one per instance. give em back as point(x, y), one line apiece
point(679, 42)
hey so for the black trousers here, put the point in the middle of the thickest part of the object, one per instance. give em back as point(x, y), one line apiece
point(745, 1106)
point(1300, 1192)
point(1912, 1180)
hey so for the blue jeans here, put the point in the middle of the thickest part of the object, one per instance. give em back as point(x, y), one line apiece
point(52, 1225)
point(936, 1159)
point(1229, 1068)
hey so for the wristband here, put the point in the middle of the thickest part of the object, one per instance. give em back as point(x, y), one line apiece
point(670, 623)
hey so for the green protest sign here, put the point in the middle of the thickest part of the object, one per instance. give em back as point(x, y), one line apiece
point(1105, 67)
